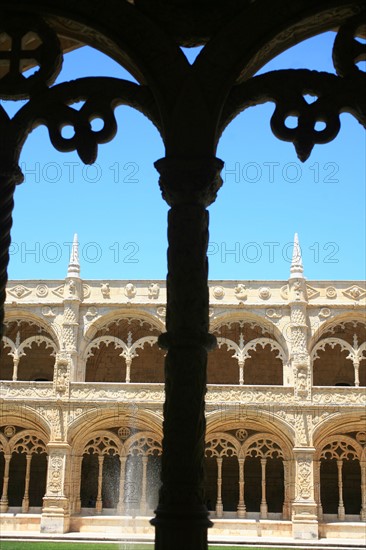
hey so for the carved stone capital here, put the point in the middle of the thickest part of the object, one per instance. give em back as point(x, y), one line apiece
point(192, 180)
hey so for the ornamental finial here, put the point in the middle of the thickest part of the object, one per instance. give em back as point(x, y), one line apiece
point(74, 266)
point(297, 269)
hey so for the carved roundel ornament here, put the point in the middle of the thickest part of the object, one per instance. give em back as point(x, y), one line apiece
point(26, 42)
point(241, 434)
point(9, 431)
point(124, 432)
point(361, 438)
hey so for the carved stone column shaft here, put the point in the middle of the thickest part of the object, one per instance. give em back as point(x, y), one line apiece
point(263, 506)
point(10, 175)
point(4, 496)
point(25, 502)
point(99, 502)
point(15, 368)
point(122, 476)
point(341, 511)
point(241, 511)
point(143, 503)
point(363, 490)
point(182, 518)
point(219, 506)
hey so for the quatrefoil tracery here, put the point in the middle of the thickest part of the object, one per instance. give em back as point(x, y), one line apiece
point(25, 41)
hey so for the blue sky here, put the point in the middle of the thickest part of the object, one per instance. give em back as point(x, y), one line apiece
point(116, 208)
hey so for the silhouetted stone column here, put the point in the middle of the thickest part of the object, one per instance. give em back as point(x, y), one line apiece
point(188, 186)
point(10, 175)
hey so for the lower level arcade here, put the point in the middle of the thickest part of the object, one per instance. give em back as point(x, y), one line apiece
point(111, 470)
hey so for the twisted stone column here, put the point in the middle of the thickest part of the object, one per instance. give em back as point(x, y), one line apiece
point(10, 175)
point(188, 186)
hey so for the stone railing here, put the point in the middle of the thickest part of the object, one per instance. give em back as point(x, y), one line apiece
point(217, 395)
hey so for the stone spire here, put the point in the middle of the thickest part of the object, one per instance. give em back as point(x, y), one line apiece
point(74, 266)
point(297, 269)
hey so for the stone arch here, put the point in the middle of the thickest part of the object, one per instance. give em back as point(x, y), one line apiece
point(248, 317)
point(264, 474)
point(280, 470)
point(19, 363)
point(259, 420)
point(250, 50)
point(4, 444)
point(339, 374)
point(139, 352)
point(102, 419)
point(99, 469)
point(27, 470)
point(338, 459)
point(26, 316)
point(27, 418)
point(325, 326)
point(337, 423)
point(100, 322)
point(138, 56)
point(249, 351)
point(339, 354)
point(221, 467)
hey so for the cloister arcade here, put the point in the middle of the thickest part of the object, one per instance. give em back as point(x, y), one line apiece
point(89, 439)
point(190, 105)
point(124, 350)
point(249, 473)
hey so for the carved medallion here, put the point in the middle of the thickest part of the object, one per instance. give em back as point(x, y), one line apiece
point(42, 291)
point(218, 292)
point(264, 293)
point(331, 292)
